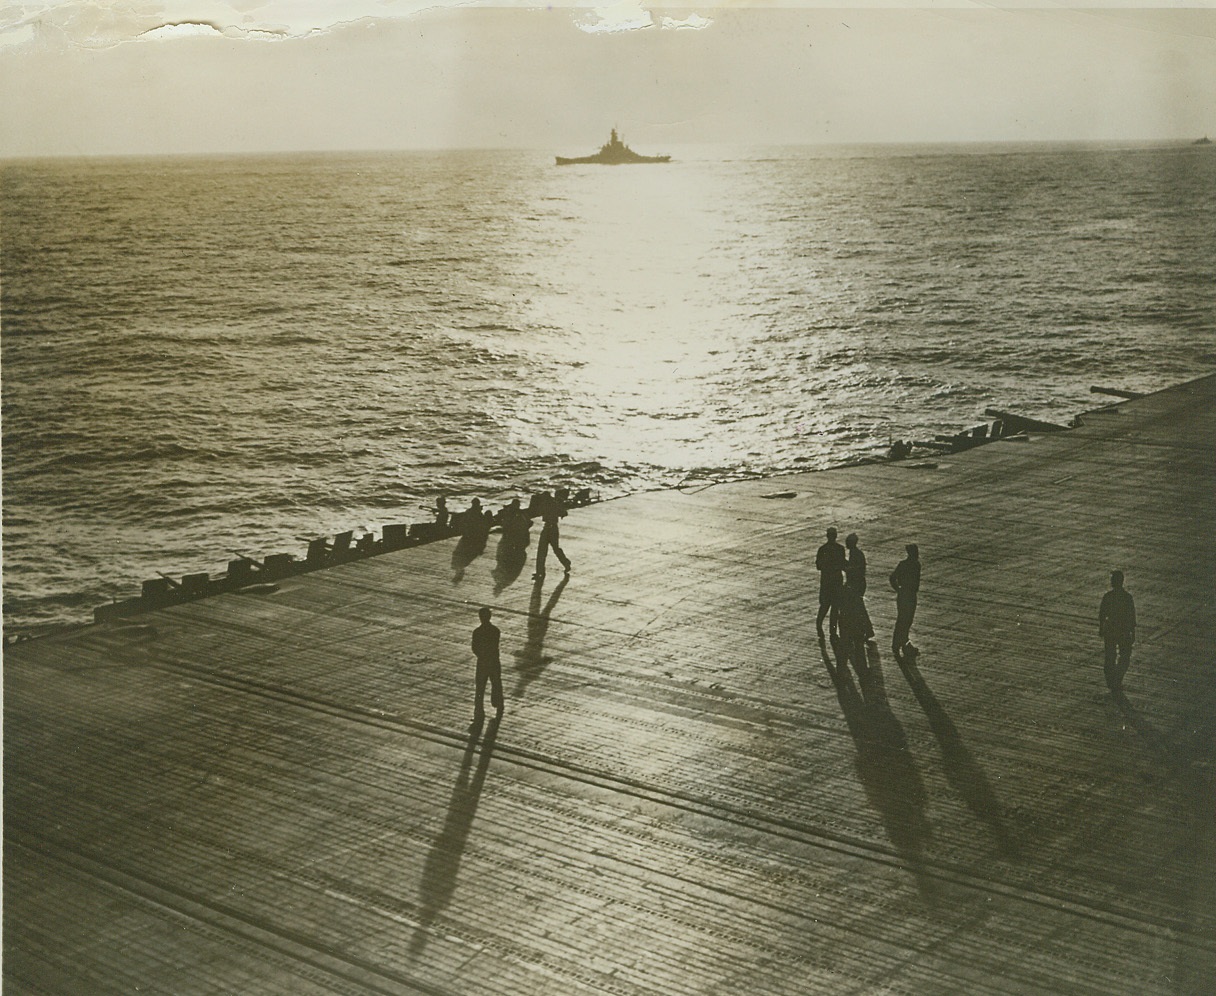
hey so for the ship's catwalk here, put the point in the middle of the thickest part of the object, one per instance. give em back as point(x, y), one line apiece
point(280, 792)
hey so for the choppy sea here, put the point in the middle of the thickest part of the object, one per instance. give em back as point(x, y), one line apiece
point(211, 355)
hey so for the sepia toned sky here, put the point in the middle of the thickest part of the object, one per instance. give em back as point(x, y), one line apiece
point(211, 76)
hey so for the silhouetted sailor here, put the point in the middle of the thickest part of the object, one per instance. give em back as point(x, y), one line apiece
point(508, 511)
point(551, 510)
point(474, 524)
point(485, 649)
point(853, 621)
point(830, 563)
point(905, 579)
point(1117, 627)
point(515, 524)
point(441, 512)
point(855, 578)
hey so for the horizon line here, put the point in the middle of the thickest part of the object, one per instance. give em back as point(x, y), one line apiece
point(438, 149)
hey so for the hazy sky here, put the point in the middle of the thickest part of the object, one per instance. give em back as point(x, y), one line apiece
point(96, 78)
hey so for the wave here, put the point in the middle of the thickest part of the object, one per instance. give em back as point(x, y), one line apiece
point(490, 327)
point(431, 260)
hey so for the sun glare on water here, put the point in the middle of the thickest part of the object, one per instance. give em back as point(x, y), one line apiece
point(641, 292)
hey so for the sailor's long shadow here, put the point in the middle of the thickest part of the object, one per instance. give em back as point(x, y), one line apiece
point(1190, 746)
point(443, 861)
point(470, 546)
point(509, 558)
point(892, 784)
point(1156, 742)
point(530, 660)
point(962, 770)
point(1187, 755)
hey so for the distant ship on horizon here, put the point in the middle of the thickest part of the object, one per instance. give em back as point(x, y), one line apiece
point(1202, 141)
point(613, 153)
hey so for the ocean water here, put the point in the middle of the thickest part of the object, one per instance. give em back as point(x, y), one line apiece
point(211, 355)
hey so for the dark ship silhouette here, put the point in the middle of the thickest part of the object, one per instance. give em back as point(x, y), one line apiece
point(613, 153)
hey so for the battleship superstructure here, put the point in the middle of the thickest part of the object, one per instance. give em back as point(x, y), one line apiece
point(613, 153)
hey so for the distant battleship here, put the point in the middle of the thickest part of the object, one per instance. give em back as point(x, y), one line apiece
point(614, 153)
point(1199, 141)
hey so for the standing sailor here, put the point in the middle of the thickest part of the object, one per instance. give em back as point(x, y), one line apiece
point(489, 668)
point(1117, 627)
point(905, 579)
point(830, 563)
point(855, 578)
